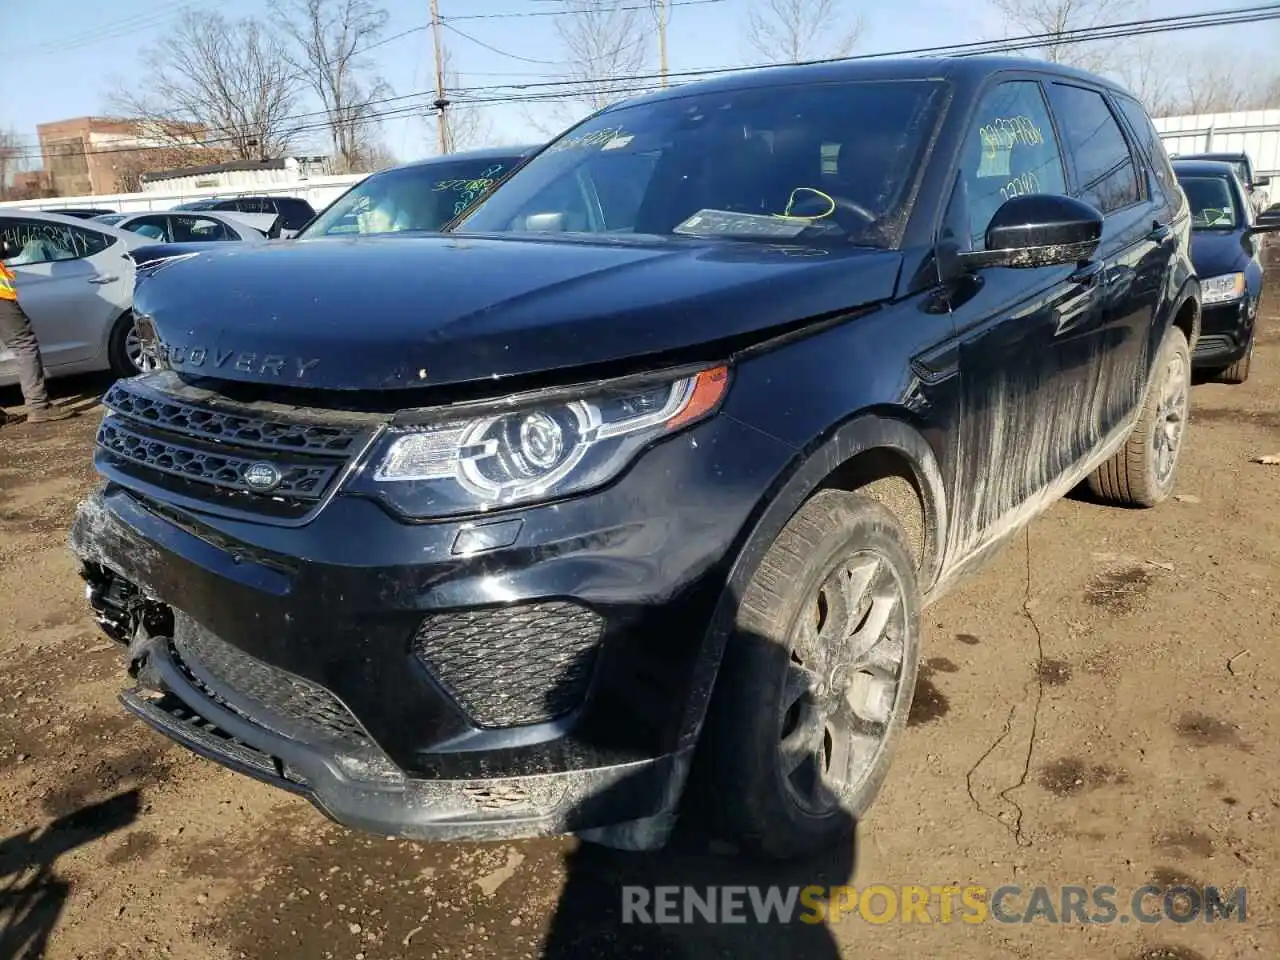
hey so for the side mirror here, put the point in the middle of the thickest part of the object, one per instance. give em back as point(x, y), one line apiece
point(1261, 182)
point(1267, 222)
point(1039, 230)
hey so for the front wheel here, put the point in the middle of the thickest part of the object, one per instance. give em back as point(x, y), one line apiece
point(124, 349)
point(1238, 372)
point(817, 680)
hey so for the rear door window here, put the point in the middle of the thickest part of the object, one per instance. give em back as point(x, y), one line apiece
point(195, 229)
point(1106, 175)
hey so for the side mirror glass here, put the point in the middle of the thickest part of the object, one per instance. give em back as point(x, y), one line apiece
point(1262, 181)
point(1039, 230)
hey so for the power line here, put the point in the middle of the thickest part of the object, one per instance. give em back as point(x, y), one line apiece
point(501, 53)
point(555, 90)
point(569, 13)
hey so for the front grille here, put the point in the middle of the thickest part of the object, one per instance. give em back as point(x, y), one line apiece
point(298, 481)
point(289, 697)
point(199, 447)
point(516, 665)
point(238, 429)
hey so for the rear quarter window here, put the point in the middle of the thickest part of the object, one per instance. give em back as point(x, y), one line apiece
point(1148, 138)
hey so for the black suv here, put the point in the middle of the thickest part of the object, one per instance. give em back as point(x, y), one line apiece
point(664, 446)
point(1243, 166)
point(294, 212)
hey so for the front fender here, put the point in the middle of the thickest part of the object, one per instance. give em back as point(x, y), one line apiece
point(806, 475)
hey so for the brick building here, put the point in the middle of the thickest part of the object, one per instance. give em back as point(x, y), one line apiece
point(92, 155)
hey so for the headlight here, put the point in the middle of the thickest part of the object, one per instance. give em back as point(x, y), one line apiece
point(534, 449)
point(1229, 286)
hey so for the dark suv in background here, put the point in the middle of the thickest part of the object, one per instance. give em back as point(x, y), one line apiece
point(294, 212)
point(660, 450)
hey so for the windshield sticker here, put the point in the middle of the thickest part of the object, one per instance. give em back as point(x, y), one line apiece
point(596, 138)
point(617, 143)
point(725, 223)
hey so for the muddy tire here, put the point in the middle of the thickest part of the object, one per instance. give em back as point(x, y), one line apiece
point(1142, 472)
point(817, 680)
point(1238, 372)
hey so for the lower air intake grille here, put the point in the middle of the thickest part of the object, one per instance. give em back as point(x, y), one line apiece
point(512, 666)
point(289, 697)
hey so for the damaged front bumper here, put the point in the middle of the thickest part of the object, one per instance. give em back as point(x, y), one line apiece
point(553, 683)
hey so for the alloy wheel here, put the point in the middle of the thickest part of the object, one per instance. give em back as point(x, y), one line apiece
point(1171, 417)
point(843, 683)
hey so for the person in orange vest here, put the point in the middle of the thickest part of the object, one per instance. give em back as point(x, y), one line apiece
point(16, 334)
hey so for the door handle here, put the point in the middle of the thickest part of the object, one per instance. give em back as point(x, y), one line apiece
point(1090, 273)
point(1160, 232)
point(103, 279)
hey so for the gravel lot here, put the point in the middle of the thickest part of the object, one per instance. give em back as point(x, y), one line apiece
point(1098, 706)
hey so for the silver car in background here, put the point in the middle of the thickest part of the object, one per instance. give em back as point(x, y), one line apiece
point(177, 226)
point(75, 282)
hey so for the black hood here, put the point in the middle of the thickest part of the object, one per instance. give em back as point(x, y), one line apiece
point(401, 312)
point(1215, 252)
point(153, 252)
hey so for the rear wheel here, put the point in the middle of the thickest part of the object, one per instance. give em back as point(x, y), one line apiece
point(1142, 472)
point(817, 680)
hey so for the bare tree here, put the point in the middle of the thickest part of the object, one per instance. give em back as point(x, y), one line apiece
point(1214, 84)
point(603, 43)
point(11, 158)
point(1056, 19)
point(1145, 71)
point(793, 31)
point(217, 81)
point(329, 39)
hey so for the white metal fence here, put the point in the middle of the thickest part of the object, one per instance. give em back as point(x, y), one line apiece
point(1255, 132)
point(318, 191)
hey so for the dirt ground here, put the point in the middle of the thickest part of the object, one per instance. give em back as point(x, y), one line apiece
point(1098, 706)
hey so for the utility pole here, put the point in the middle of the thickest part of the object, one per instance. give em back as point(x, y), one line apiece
point(441, 104)
point(663, 15)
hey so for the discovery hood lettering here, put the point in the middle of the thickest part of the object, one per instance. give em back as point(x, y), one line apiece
point(410, 312)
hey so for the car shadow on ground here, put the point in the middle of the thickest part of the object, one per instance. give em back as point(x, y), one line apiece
point(592, 922)
point(617, 903)
point(32, 894)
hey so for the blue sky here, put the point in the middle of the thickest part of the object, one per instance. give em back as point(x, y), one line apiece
point(62, 66)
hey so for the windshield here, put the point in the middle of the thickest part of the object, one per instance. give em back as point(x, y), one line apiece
point(423, 197)
point(1212, 205)
point(818, 162)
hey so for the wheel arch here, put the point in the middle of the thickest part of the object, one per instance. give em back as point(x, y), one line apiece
point(878, 454)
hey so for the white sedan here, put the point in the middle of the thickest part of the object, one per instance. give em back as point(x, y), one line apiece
point(177, 226)
point(75, 282)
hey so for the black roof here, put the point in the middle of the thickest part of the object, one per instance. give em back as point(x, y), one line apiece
point(971, 69)
point(487, 153)
point(1231, 157)
point(1197, 167)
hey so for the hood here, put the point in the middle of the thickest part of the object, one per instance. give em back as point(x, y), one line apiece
point(151, 251)
point(1215, 252)
point(380, 313)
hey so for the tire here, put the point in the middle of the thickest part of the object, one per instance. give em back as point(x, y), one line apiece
point(118, 347)
point(794, 669)
point(1143, 471)
point(1238, 372)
